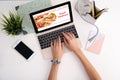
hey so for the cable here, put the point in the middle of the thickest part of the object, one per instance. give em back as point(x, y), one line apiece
point(95, 34)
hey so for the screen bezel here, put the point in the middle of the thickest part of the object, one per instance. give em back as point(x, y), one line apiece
point(49, 8)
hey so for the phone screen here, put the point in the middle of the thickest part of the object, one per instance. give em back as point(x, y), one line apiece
point(24, 50)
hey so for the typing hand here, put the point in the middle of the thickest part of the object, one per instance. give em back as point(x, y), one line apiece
point(70, 41)
point(57, 49)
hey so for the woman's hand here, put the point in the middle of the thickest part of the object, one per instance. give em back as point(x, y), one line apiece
point(57, 49)
point(70, 41)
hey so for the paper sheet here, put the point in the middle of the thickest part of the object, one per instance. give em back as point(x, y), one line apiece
point(95, 45)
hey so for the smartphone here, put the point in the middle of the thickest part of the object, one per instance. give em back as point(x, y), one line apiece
point(23, 49)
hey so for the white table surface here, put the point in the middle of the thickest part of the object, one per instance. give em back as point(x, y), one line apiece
point(14, 67)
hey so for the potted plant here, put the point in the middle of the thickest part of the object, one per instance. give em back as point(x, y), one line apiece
point(12, 24)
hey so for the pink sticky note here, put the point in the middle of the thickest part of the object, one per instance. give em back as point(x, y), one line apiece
point(95, 46)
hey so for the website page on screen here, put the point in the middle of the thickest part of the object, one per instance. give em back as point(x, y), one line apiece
point(51, 18)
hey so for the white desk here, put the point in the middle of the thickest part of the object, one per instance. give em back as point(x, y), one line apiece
point(15, 67)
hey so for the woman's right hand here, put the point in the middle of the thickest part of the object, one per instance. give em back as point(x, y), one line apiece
point(70, 41)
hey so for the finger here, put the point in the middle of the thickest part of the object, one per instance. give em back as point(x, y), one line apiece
point(55, 41)
point(69, 34)
point(62, 45)
point(66, 42)
point(51, 45)
point(72, 35)
point(59, 41)
point(66, 36)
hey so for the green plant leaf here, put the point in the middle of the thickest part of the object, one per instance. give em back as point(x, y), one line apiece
point(13, 24)
point(6, 19)
point(12, 16)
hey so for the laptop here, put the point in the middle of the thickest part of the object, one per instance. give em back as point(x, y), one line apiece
point(49, 23)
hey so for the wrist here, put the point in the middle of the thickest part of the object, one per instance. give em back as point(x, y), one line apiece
point(57, 58)
point(55, 61)
point(76, 50)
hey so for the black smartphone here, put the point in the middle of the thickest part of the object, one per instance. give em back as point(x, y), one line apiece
point(23, 49)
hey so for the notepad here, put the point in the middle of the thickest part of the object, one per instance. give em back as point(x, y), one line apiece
point(95, 45)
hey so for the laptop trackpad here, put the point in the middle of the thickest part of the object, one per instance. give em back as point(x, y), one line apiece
point(47, 53)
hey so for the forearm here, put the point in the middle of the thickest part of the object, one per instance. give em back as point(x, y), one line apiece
point(53, 72)
point(92, 73)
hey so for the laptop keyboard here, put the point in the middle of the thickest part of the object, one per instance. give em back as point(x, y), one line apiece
point(45, 40)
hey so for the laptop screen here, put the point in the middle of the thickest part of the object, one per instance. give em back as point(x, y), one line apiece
point(52, 17)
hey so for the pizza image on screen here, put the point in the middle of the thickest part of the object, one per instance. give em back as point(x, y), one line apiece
point(45, 19)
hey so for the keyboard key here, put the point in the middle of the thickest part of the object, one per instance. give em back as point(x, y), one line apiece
point(45, 40)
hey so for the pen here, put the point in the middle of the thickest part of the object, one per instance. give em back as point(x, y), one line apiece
point(92, 9)
point(100, 12)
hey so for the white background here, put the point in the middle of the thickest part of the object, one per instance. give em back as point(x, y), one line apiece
point(14, 67)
